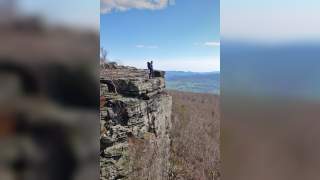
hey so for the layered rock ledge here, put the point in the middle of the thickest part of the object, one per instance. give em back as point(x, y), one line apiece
point(135, 122)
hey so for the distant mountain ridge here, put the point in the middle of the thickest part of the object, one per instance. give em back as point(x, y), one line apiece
point(199, 82)
point(284, 70)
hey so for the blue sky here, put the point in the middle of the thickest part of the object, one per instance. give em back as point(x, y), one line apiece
point(77, 13)
point(272, 20)
point(176, 35)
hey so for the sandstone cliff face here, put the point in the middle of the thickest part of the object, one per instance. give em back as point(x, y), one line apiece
point(135, 124)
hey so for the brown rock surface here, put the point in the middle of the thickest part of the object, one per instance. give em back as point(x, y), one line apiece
point(135, 124)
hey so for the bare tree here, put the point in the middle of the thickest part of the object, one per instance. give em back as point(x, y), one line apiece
point(103, 55)
point(103, 61)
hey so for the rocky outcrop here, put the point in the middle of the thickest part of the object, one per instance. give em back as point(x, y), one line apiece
point(135, 123)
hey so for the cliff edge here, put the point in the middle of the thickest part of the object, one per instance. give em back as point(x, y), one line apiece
point(135, 123)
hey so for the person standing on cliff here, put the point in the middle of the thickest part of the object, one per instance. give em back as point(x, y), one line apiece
point(150, 67)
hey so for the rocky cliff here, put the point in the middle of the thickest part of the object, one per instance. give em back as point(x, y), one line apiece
point(135, 124)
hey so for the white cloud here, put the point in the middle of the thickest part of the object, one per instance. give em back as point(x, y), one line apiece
point(212, 43)
point(209, 43)
point(147, 46)
point(107, 6)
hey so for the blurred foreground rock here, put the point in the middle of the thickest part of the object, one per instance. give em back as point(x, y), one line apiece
point(48, 102)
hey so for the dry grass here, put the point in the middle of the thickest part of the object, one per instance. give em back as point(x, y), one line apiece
point(270, 138)
point(195, 153)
